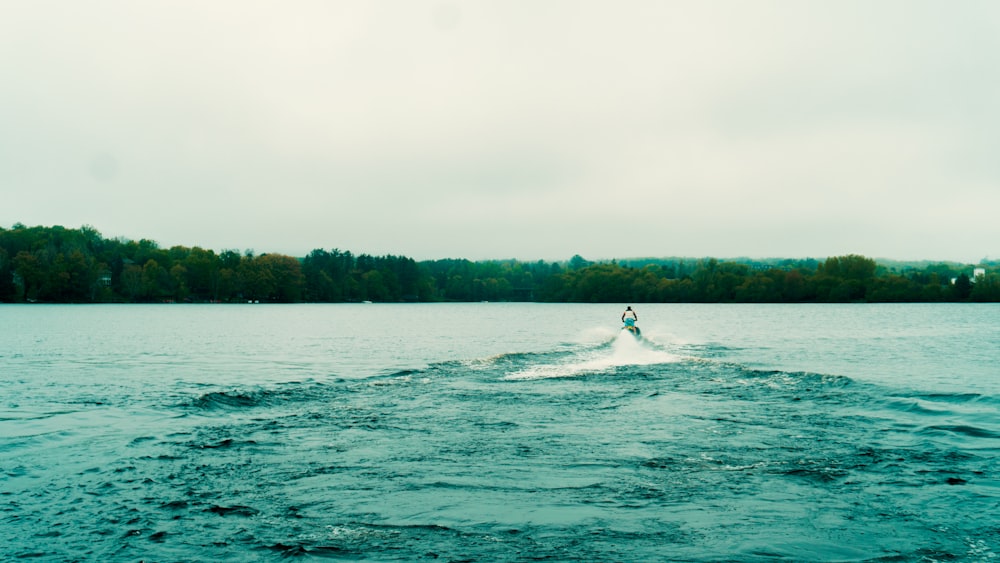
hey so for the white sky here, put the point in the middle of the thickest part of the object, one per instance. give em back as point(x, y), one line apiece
point(528, 129)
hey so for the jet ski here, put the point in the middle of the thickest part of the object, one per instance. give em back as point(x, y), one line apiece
point(632, 327)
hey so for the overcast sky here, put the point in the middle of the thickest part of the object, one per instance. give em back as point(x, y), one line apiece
point(509, 129)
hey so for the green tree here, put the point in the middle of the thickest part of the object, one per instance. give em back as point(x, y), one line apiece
point(986, 288)
point(271, 277)
point(893, 288)
point(255, 279)
point(850, 267)
point(374, 286)
point(201, 273)
point(156, 281)
point(962, 288)
point(80, 271)
point(8, 290)
point(131, 282)
point(31, 273)
point(80, 265)
point(178, 282)
point(578, 262)
point(757, 289)
point(325, 275)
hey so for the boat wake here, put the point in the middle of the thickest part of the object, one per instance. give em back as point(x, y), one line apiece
point(621, 350)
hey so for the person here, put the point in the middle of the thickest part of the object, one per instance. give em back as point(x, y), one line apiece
point(629, 317)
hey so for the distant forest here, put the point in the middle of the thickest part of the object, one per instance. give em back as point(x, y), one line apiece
point(60, 265)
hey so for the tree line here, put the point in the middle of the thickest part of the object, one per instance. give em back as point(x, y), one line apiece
point(60, 265)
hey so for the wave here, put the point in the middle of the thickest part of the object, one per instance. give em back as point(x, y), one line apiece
point(242, 399)
point(958, 400)
point(961, 430)
point(229, 400)
point(20, 415)
point(235, 510)
point(621, 351)
point(798, 378)
point(616, 353)
point(961, 416)
point(358, 541)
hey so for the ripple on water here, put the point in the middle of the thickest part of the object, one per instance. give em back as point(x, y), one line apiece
point(586, 453)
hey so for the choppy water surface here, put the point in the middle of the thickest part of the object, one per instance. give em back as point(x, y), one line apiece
point(494, 432)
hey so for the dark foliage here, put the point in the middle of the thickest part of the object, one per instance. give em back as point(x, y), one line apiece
point(56, 264)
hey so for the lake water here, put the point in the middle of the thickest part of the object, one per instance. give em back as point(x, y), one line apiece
point(500, 432)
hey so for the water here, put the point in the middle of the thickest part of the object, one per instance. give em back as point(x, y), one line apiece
point(499, 432)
